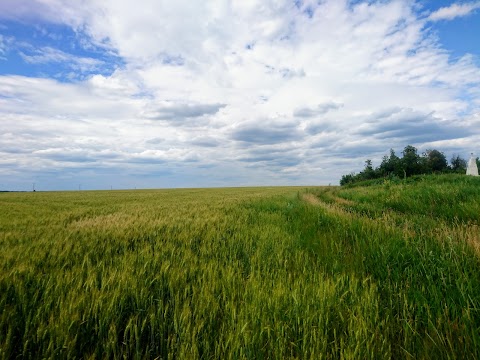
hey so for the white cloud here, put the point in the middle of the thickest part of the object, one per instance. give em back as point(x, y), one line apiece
point(50, 55)
point(453, 11)
point(235, 92)
point(183, 111)
point(22, 9)
point(320, 109)
point(2, 45)
point(5, 45)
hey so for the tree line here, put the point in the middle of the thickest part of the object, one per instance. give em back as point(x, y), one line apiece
point(410, 163)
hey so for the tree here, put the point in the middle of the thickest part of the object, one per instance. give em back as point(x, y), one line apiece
point(458, 164)
point(435, 161)
point(390, 165)
point(410, 163)
point(347, 179)
point(368, 173)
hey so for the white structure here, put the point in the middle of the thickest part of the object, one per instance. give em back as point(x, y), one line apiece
point(472, 168)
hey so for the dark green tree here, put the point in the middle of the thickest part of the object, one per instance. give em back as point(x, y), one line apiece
point(390, 165)
point(347, 179)
point(435, 161)
point(368, 173)
point(411, 163)
point(457, 164)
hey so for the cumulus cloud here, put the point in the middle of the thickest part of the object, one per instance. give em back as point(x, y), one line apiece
point(250, 92)
point(267, 131)
point(277, 156)
point(23, 9)
point(453, 11)
point(409, 125)
point(183, 111)
point(66, 155)
point(38, 97)
point(205, 141)
point(320, 109)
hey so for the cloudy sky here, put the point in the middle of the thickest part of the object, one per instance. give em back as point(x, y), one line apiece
point(154, 93)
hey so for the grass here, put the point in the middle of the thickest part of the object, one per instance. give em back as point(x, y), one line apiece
point(384, 271)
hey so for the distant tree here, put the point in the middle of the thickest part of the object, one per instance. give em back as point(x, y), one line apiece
point(390, 165)
point(384, 169)
point(435, 161)
point(368, 173)
point(410, 163)
point(347, 179)
point(457, 164)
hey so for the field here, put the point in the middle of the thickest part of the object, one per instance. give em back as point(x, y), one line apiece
point(390, 270)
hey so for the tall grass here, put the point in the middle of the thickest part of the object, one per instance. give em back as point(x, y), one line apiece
point(254, 273)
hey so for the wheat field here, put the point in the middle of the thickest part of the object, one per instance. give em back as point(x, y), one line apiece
point(374, 272)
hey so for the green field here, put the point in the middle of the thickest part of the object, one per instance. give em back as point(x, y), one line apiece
point(390, 270)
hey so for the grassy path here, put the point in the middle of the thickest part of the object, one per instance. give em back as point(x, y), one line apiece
point(422, 255)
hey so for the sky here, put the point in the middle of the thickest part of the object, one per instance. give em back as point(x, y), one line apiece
point(116, 94)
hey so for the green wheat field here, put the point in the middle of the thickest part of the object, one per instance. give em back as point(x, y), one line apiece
point(379, 271)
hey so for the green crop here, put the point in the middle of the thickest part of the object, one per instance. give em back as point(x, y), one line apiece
point(385, 271)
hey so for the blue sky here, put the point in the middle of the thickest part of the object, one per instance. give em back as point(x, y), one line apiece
point(458, 35)
point(106, 94)
point(41, 49)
